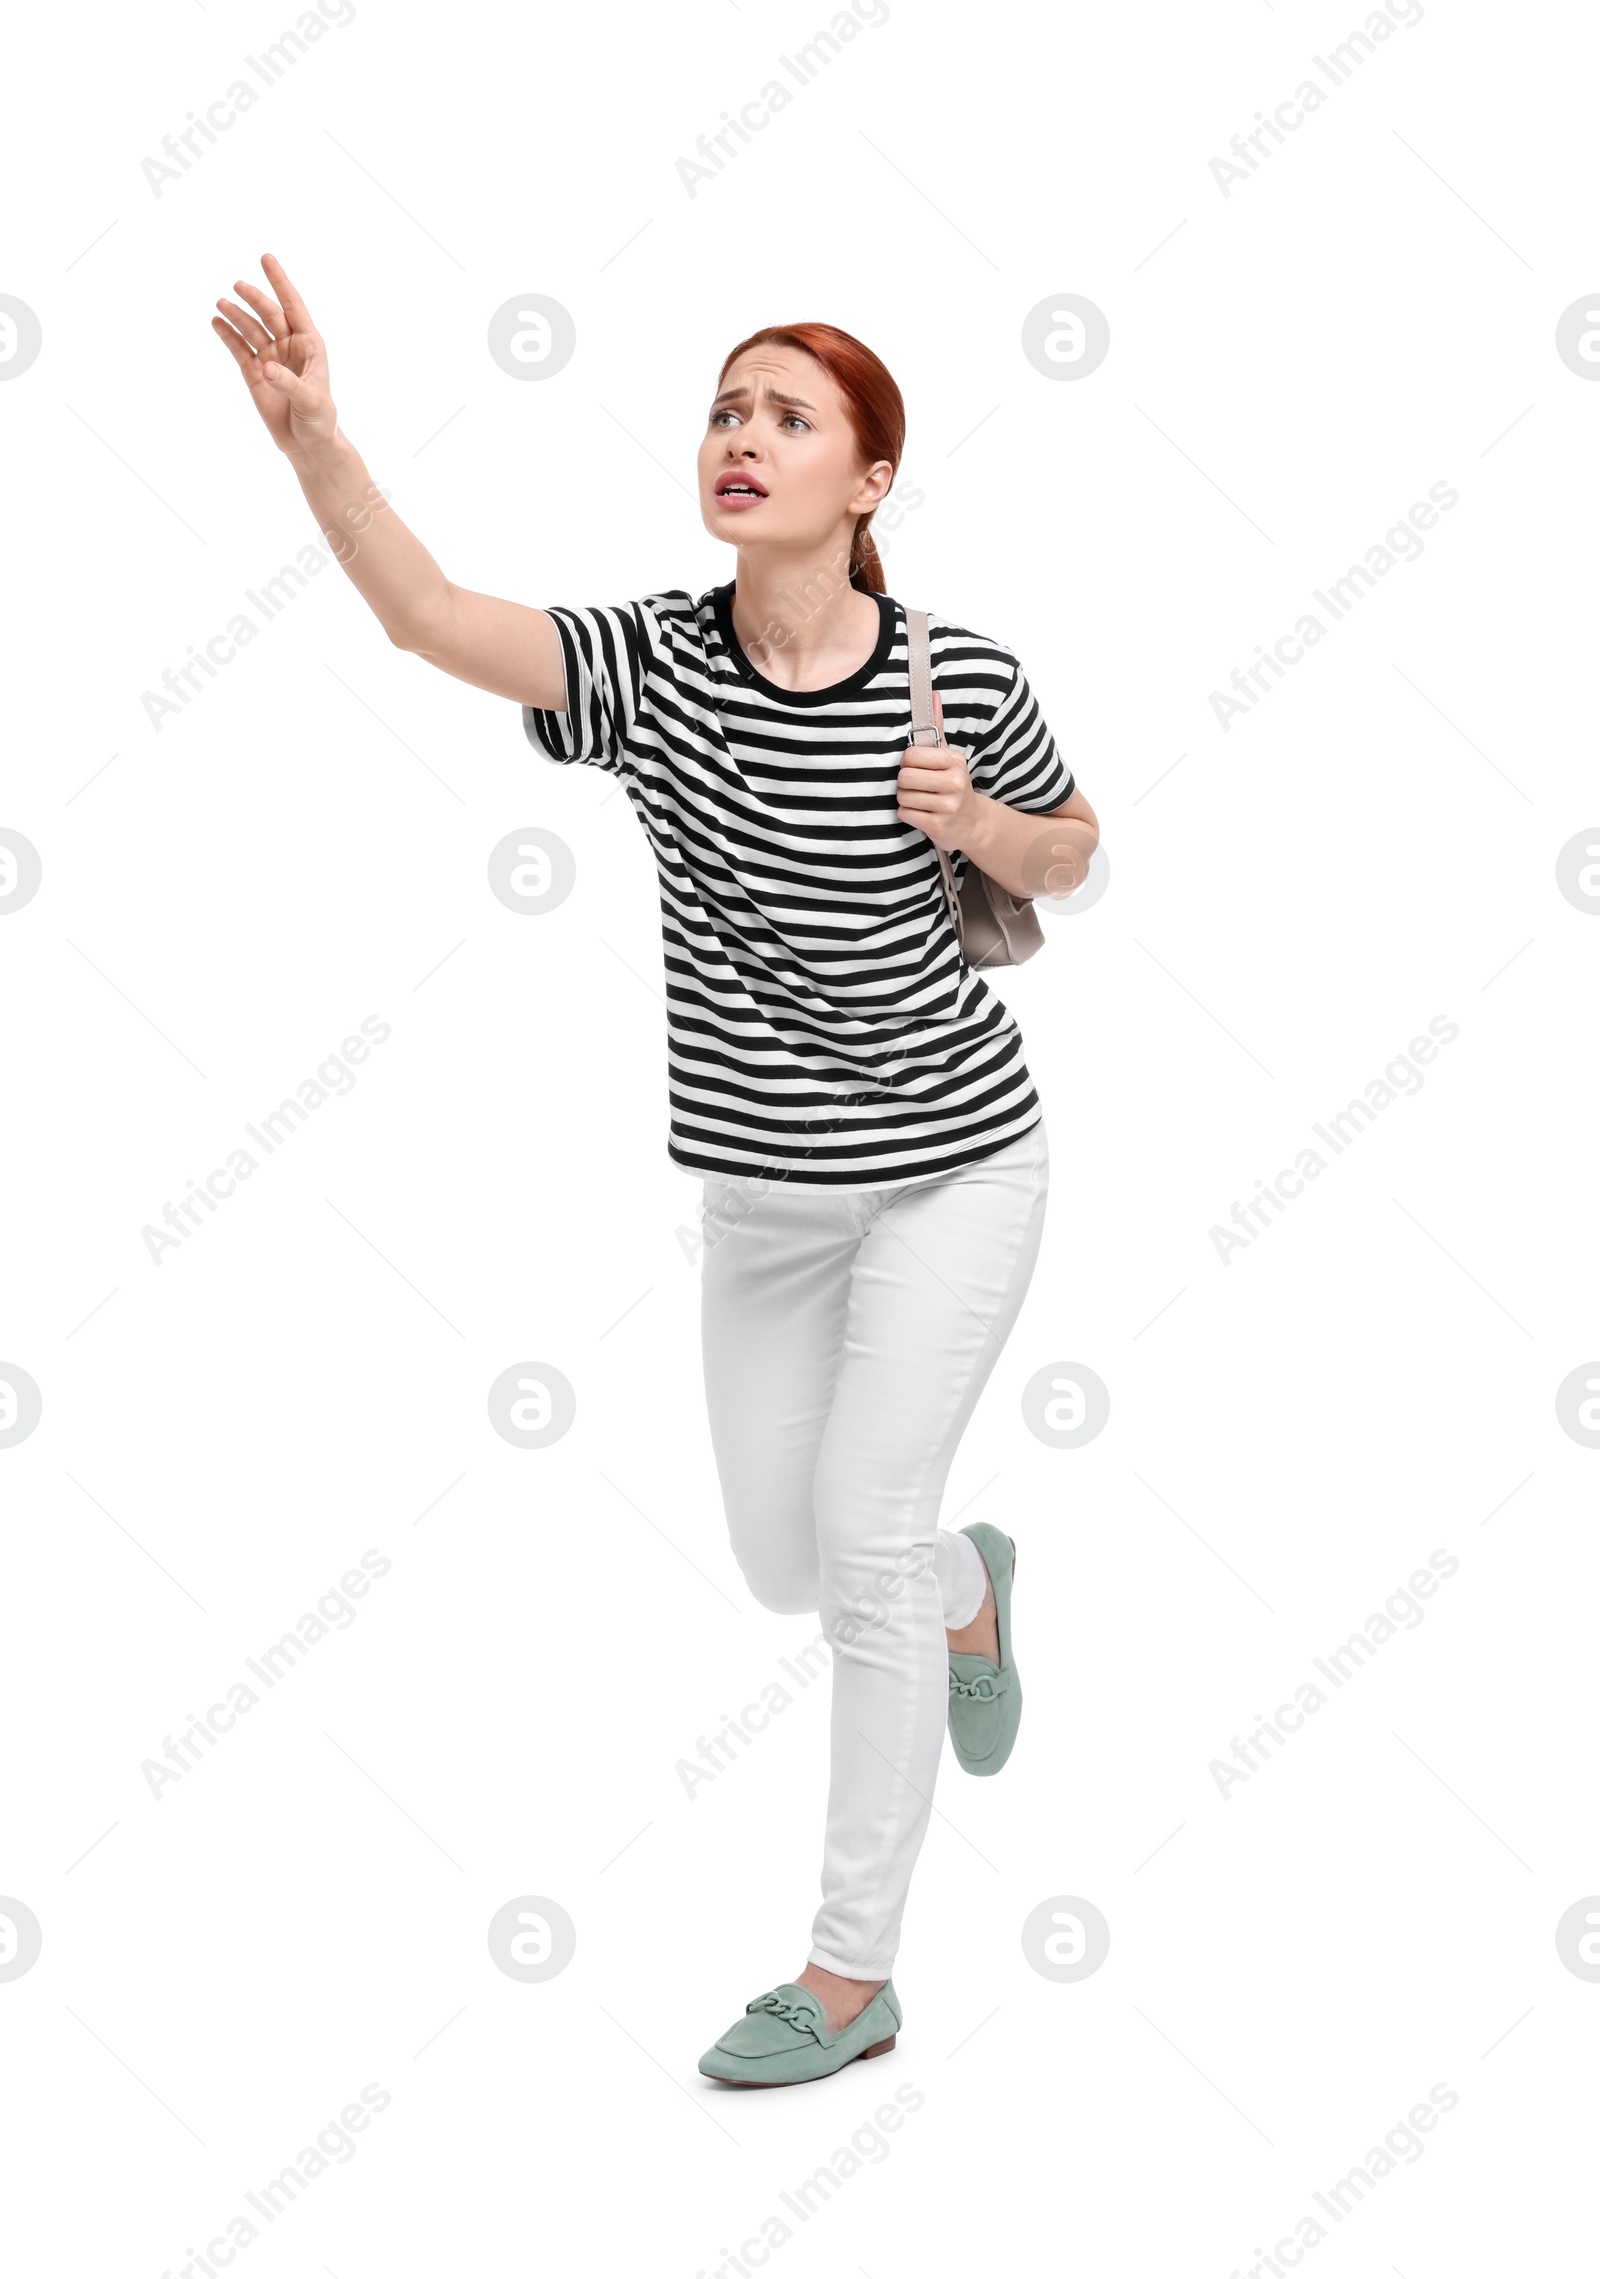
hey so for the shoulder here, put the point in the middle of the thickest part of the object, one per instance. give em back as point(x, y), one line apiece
point(961, 640)
point(673, 605)
point(673, 624)
point(973, 671)
point(650, 613)
point(655, 631)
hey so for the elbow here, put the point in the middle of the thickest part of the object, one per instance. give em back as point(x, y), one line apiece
point(424, 633)
point(1079, 831)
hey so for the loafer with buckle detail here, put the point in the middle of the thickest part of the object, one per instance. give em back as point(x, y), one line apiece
point(783, 2037)
point(985, 1700)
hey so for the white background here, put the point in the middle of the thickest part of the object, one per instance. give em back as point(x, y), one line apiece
point(1291, 1433)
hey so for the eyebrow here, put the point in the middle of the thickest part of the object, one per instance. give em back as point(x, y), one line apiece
point(737, 395)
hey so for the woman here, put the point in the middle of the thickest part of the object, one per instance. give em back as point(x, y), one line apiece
point(872, 1151)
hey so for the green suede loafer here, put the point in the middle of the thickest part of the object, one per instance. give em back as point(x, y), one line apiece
point(783, 2037)
point(985, 1701)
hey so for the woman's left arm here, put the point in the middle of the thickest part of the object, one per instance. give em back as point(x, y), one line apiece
point(1027, 854)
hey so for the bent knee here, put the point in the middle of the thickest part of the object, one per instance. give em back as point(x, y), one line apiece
point(782, 1596)
point(784, 1581)
point(783, 1593)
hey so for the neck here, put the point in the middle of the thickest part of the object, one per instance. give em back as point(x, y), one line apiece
point(798, 618)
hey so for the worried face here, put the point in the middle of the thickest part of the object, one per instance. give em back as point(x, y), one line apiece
point(779, 463)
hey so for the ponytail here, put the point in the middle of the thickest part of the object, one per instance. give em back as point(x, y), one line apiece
point(866, 567)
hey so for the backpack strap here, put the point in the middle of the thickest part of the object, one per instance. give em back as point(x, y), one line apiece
point(924, 730)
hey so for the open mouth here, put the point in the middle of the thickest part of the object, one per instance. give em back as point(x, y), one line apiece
point(735, 487)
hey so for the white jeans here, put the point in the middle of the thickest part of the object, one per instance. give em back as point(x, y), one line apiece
point(846, 1339)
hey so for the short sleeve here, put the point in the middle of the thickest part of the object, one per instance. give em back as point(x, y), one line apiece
point(604, 652)
point(1015, 759)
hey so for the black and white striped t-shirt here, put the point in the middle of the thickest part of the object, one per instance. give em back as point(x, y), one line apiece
point(822, 1027)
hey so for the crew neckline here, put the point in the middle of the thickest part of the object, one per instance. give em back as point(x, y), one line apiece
point(888, 618)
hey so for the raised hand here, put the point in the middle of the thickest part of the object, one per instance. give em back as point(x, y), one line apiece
point(281, 355)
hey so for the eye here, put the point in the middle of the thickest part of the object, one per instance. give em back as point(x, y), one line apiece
point(795, 416)
point(726, 413)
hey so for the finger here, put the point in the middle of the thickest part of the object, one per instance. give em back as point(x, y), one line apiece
point(258, 370)
point(265, 306)
point(938, 714)
point(260, 339)
point(243, 355)
point(294, 307)
point(290, 384)
point(929, 779)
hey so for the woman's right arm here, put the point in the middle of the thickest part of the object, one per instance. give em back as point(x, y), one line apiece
point(501, 646)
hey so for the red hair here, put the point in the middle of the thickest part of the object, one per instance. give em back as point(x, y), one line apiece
point(876, 411)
